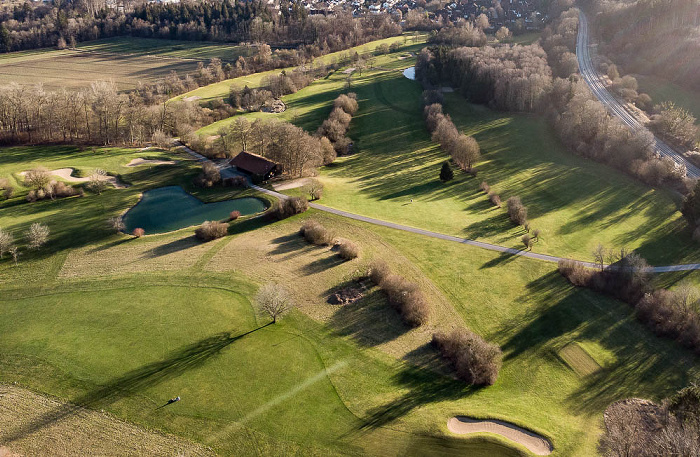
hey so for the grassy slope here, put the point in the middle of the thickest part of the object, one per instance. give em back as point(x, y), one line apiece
point(574, 202)
point(221, 89)
point(127, 343)
point(661, 90)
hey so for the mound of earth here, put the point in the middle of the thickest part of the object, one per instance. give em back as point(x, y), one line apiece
point(346, 296)
point(535, 443)
point(34, 424)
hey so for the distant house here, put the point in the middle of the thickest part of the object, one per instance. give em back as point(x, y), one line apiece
point(258, 167)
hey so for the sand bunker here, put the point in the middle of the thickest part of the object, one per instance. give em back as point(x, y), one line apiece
point(192, 98)
point(140, 161)
point(535, 443)
point(293, 184)
point(65, 174)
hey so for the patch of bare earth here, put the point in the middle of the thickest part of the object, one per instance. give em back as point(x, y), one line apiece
point(28, 428)
point(277, 253)
point(129, 255)
point(293, 184)
point(535, 443)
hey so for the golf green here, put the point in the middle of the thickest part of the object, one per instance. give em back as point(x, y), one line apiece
point(171, 208)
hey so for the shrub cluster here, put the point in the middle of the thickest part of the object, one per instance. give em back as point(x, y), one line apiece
point(378, 271)
point(235, 181)
point(234, 215)
point(211, 230)
point(463, 149)
point(209, 177)
point(475, 360)
point(336, 126)
point(6, 188)
point(517, 212)
point(404, 296)
point(672, 314)
point(52, 190)
point(315, 233)
point(627, 277)
point(348, 250)
point(289, 207)
point(494, 198)
point(138, 232)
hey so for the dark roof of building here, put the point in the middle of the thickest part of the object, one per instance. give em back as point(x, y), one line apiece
point(253, 163)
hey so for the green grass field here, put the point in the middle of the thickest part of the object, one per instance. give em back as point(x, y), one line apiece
point(574, 202)
point(121, 325)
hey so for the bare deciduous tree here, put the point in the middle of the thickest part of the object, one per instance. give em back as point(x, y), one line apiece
point(37, 235)
point(274, 300)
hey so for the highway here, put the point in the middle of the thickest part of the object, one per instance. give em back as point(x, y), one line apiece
point(595, 82)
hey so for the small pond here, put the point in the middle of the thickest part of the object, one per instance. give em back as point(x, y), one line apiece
point(410, 73)
point(171, 208)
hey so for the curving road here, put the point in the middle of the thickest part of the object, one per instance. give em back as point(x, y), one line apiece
point(594, 81)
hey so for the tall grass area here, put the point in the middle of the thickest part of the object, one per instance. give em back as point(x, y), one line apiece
point(200, 50)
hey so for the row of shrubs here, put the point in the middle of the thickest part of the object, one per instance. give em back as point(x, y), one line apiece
point(403, 295)
point(317, 234)
point(336, 126)
point(494, 198)
point(54, 190)
point(669, 314)
point(6, 188)
point(463, 149)
point(475, 360)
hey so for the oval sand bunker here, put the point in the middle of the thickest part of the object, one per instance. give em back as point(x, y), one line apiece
point(535, 443)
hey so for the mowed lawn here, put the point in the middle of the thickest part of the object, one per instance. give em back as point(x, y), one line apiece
point(329, 380)
point(574, 202)
point(127, 61)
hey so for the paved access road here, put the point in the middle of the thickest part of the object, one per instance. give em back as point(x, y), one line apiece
point(594, 81)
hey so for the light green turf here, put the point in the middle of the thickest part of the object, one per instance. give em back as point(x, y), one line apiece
point(128, 343)
point(221, 89)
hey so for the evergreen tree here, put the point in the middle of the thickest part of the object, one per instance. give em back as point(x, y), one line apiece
point(446, 173)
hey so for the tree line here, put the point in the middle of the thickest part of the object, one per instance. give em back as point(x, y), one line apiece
point(520, 78)
point(30, 26)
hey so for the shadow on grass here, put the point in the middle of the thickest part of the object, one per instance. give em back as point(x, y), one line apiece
point(502, 259)
point(639, 364)
point(131, 383)
point(424, 387)
point(369, 321)
point(172, 247)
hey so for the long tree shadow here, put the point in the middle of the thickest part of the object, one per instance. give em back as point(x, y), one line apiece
point(179, 362)
point(424, 387)
point(369, 321)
